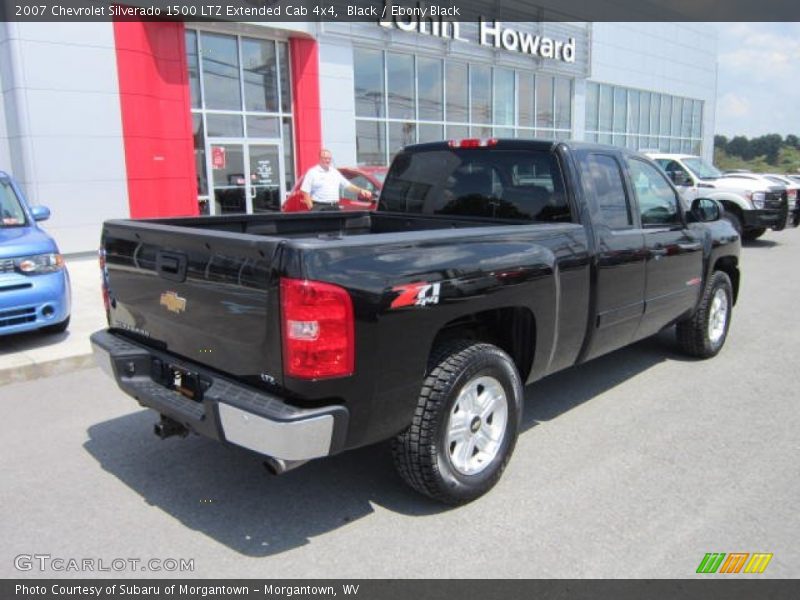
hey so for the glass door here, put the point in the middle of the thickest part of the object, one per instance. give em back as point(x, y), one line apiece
point(229, 177)
point(265, 162)
point(247, 176)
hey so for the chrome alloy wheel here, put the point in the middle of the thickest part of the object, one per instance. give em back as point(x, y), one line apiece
point(717, 316)
point(477, 425)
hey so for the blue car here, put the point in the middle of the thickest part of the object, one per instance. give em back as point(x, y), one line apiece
point(34, 283)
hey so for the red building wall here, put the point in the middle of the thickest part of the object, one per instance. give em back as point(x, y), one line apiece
point(155, 104)
point(307, 111)
point(156, 118)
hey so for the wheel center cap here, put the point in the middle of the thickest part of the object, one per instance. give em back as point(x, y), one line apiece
point(475, 425)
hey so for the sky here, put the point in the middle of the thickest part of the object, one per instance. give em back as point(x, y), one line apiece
point(758, 84)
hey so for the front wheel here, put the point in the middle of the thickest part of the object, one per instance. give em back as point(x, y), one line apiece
point(465, 426)
point(753, 234)
point(704, 333)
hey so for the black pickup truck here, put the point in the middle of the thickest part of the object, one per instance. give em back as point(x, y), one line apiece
point(488, 265)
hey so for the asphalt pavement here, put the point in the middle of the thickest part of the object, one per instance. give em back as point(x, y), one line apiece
point(636, 464)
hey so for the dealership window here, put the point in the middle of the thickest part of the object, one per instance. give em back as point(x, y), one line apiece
point(402, 99)
point(240, 94)
point(643, 119)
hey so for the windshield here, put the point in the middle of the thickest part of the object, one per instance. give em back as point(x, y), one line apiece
point(379, 175)
point(702, 169)
point(10, 208)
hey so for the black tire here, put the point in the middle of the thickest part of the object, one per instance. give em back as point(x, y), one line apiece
point(703, 334)
point(734, 219)
point(753, 234)
point(423, 454)
point(57, 328)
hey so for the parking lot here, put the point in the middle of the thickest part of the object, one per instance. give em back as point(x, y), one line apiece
point(634, 465)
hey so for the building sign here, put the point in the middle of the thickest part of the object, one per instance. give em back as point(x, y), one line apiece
point(424, 20)
point(218, 157)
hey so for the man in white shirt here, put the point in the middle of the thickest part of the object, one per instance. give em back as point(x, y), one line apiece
point(322, 183)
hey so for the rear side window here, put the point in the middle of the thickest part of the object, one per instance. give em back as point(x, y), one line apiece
point(522, 185)
point(605, 183)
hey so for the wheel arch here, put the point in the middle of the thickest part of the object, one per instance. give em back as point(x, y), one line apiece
point(512, 329)
point(730, 266)
point(733, 207)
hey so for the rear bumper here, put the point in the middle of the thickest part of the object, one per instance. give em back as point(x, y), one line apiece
point(228, 411)
point(30, 302)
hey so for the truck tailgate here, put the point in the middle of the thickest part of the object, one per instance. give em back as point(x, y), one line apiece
point(201, 294)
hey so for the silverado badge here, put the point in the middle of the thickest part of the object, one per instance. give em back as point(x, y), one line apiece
point(172, 302)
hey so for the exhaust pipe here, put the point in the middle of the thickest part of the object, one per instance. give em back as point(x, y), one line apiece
point(279, 466)
point(167, 427)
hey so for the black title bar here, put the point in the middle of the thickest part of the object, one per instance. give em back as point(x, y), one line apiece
point(418, 589)
point(401, 10)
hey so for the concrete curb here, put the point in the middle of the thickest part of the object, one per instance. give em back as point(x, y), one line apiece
point(46, 369)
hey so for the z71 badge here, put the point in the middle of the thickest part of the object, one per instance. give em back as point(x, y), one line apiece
point(416, 294)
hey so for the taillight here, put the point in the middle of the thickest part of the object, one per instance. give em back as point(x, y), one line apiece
point(472, 143)
point(317, 320)
point(101, 258)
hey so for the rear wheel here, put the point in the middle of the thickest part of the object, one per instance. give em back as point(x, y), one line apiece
point(465, 425)
point(704, 333)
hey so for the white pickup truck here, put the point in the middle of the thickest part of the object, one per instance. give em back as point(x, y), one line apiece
point(751, 205)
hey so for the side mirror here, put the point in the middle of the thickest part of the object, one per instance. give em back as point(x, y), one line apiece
point(706, 210)
point(40, 213)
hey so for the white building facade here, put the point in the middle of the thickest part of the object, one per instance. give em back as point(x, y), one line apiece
point(111, 120)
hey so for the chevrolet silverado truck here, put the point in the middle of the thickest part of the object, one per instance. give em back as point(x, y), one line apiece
point(488, 265)
point(752, 206)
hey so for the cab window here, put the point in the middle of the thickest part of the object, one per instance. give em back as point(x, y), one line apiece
point(658, 202)
point(606, 184)
point(675, 171)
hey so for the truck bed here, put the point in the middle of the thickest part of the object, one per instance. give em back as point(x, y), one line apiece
point(327, 224)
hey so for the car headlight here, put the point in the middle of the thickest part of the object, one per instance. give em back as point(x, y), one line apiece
point(39, 263)
point(758, 199)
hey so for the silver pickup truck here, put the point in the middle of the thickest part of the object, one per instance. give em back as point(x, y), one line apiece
point(751, 205)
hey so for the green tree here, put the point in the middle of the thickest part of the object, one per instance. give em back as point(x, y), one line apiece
point(721, 142)
point(739, 146)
